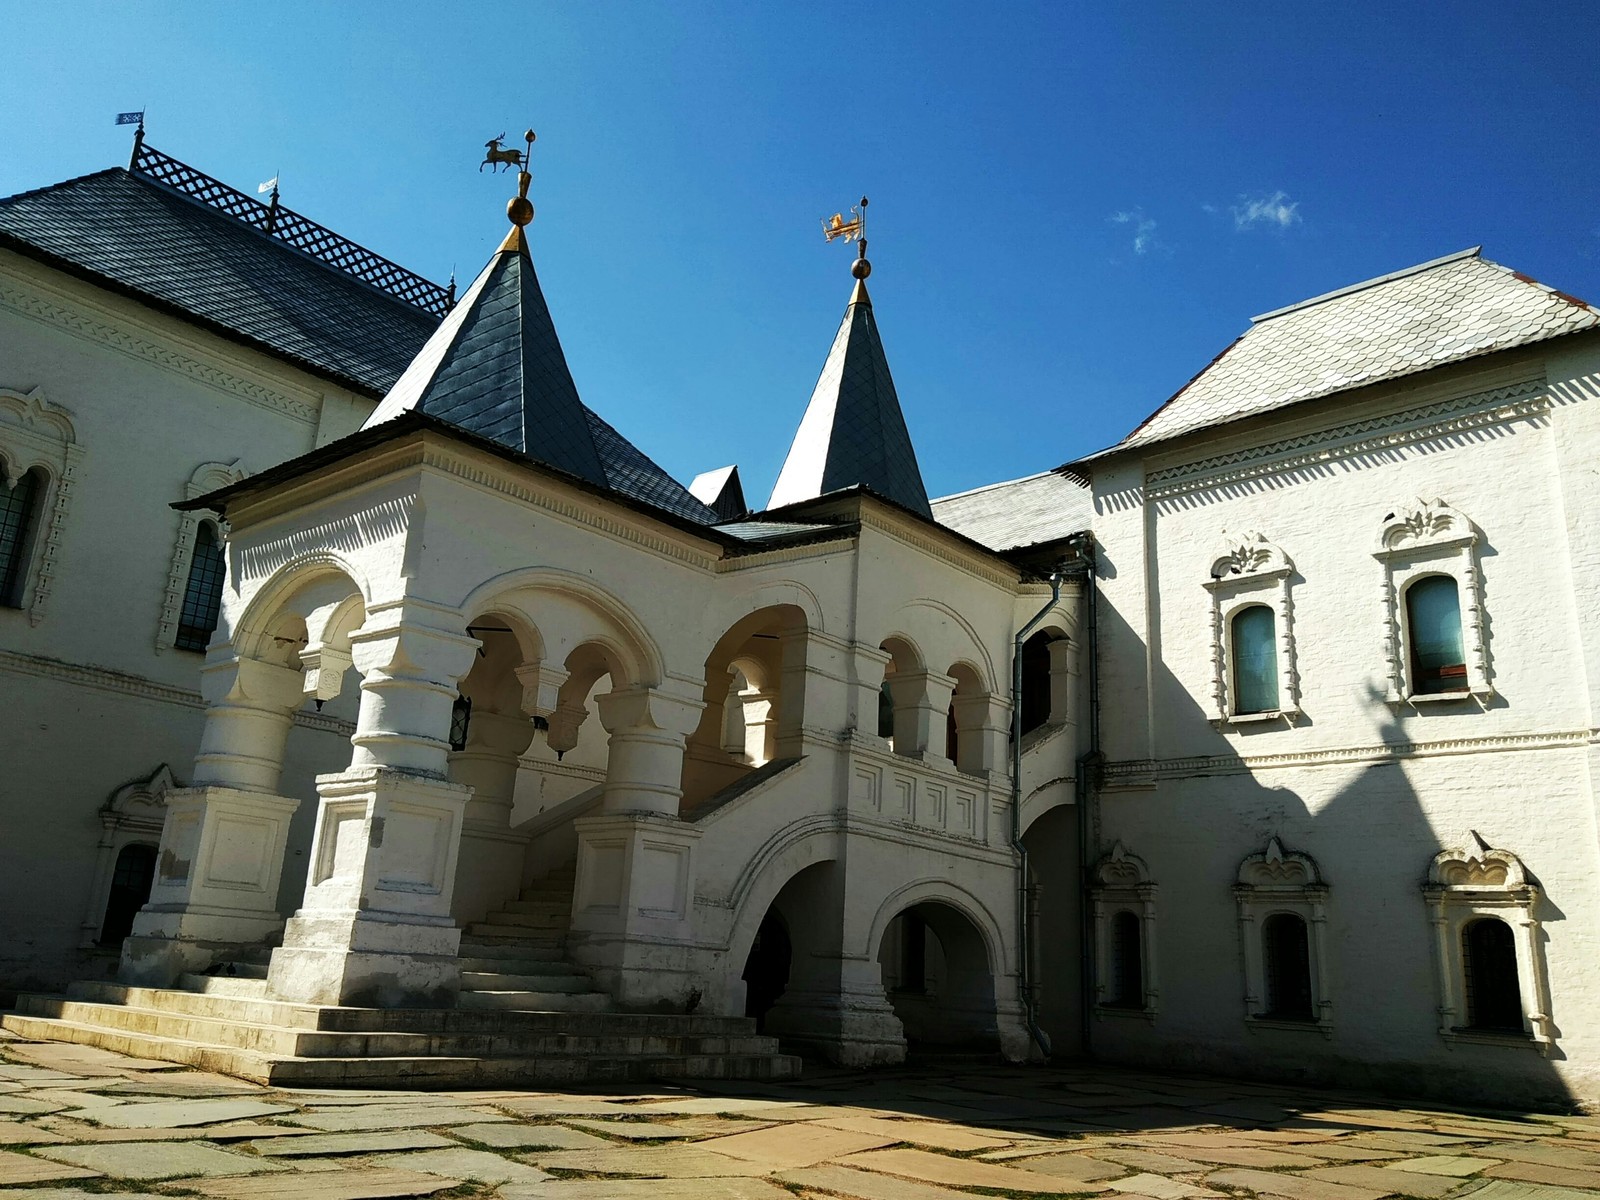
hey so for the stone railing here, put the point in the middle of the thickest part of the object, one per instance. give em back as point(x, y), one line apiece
point(928, 793)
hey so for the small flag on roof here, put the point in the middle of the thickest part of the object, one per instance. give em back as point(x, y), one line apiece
point(131, 118)
point(263, 188)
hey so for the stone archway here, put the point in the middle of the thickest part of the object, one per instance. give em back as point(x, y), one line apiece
point(939, 978)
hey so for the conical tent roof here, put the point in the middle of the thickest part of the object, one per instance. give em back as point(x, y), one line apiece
point(853, 432)
point(495, 368)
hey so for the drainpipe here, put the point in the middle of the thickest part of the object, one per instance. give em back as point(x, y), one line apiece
point(1024, 924)
point(1086, 777)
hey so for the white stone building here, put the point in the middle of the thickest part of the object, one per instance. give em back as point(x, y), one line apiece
point(1305, 732)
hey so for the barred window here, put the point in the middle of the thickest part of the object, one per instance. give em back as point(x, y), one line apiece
point(19, 511)
point(1489, 976)
point(202, 598)
point(131, 882)
point(1127, 962)
point(1286, 967)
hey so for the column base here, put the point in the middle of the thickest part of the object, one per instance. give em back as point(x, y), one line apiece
point(633, 908)
point(849, 1029)
point(367, 961)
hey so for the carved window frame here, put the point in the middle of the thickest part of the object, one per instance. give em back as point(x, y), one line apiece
point(36, 432)
point(1475, 880)
point(1120, 882)
point(1250, 570)
point(1418, 539)
point(132, 815)
point(207, 477)
point(1283, 881)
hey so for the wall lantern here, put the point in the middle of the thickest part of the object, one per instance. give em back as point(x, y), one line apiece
point(460, 720)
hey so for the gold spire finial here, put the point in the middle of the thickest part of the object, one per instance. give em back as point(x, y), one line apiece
point(519, 208)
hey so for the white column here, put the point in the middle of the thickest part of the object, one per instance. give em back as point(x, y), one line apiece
point(222, 841)
point(489, 870)
point(375, 926)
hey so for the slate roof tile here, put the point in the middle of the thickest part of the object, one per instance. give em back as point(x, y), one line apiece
point(1019, 512)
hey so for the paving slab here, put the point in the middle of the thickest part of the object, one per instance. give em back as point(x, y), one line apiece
point(927, 1167)
point(1456, 1165)
point(74, 1099)
point(65, 1056)
point(1388, 1179)
point(1580, 1157)
point(864, 1185)
point(1251, 1156)
point(937, 1134)
point(321, 1145)
point(72, 1194)
point(458, 1162)
point(1149, 1160)
point(1350, 1152)
point(22, 1106)
point(647, 1162)
point(28, 1074)
point(352, 1120)
point(23, 1168)
point(182, 1085)
point(177, 1114)
point(1413, 1141)
point(1542, 1173)
point(24, 1133)
point(650, 1189)
point(529, 1137)
point(784, 1147)
point(231, 1131)
point(1297, 1187)
point(340, 1184)
point(1248, 1110)
point(1505, 1189)
point(159, 1160)
point(636, 1131)
point(1159, 1187)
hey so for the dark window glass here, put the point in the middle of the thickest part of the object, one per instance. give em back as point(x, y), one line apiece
point(1286, 965)
point(1255, 660)
point(130, 891)
point(1035, 681)
point(18, 511)
point(1433, 619)
point(1489, 970)
point(885, 711)
point(202, 599)
point(950, 740)
point(1126, 962)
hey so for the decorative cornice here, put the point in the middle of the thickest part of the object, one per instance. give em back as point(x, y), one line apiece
point(1456, 415)
point(1141, 772)
point(126, 684)
point(936, 548)
point(379, 522)
point(52, 312)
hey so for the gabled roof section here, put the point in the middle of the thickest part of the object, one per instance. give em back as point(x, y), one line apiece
point(1019, 512)
point(721, 491)
point(853, 431)
point(1439, 312)
point(133, 234)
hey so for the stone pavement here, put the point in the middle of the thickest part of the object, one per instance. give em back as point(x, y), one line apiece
point(77, 1121)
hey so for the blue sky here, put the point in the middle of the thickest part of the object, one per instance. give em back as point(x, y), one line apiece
point(1074, 206)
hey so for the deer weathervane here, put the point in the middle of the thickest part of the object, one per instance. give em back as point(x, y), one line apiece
point(497, 156)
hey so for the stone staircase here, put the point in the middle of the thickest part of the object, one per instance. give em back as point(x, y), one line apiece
point(525, 1017)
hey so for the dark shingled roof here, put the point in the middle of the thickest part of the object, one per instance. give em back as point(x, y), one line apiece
point(150, 241)
point(853, 431)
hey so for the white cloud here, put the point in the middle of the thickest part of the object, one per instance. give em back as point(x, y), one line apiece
point(1274, 210)
point(1144, 229)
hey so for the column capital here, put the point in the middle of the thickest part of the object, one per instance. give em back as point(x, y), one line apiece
point(251, 683)
point(541, 687)
point(649, 708)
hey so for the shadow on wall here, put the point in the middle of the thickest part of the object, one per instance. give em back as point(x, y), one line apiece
point(1343, 939)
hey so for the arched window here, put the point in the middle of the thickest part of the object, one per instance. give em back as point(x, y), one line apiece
point(1127, 962)
point(1286, 968)
point(130, 891)
point(1036, 682)
point(1489, 976)
point(19, 511)
point(1255, 660)
point(202, 597)
point(1433, 623)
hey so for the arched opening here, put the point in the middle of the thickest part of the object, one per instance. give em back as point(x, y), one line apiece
point(131, 880)
point(901, 697)
point(966, 719)
point(1489, 976)
point(1433, 626)
point(766, 970)
point(1036, 689)
point(202, 594)
point(1252, 634)
point(937, 974)
point(20, 502)
point(754, 693)
point(1286, 968)
point(1126, 962)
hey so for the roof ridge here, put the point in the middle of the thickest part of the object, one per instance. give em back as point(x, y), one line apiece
point(1469, 252)
point(999, 483)
point(50, 187)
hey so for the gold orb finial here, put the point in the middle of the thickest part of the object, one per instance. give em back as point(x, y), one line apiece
point(520, 210)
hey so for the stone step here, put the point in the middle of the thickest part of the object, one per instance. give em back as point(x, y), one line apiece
point(481, 934)
point(538, 981)
point(251, 988)
point(544, 920)
point(530, 964)
point(526, 1001)
point(300, 1043)
point(413, 1072)
point(394, 1020)
point(531, 903)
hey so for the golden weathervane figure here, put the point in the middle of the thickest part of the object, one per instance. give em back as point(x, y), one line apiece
point(853, 230)
point(519, 208)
